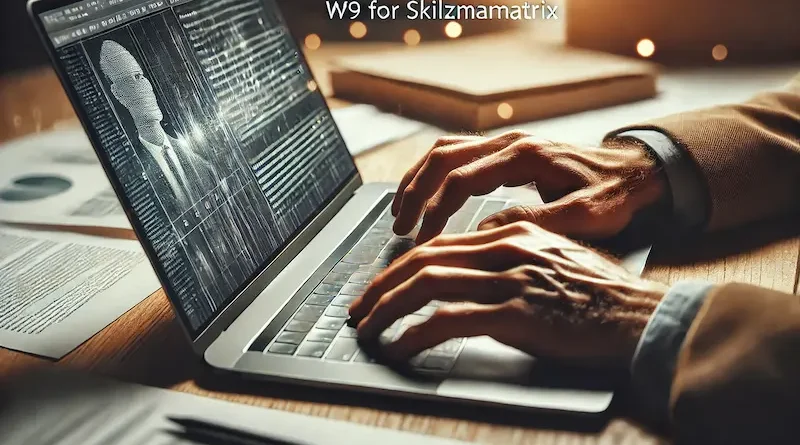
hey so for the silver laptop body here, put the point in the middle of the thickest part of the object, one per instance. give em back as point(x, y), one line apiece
point(236, 180)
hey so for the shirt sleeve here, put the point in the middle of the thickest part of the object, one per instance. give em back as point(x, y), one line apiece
point(656, 355)
point(688, 201)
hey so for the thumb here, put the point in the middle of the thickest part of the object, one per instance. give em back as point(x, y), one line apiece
point(570, 217)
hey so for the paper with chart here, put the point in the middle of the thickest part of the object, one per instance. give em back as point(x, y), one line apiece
point(78, 409)
point(59, 289)
point(55, 179)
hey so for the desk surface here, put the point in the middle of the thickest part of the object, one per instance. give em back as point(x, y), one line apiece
point(146, 344)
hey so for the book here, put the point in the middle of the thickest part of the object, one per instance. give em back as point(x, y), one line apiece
point(482, 83)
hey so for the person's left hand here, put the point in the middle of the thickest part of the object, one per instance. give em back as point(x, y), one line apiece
point(520, 284)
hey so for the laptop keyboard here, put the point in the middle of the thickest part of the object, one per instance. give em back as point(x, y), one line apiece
point(317, 330)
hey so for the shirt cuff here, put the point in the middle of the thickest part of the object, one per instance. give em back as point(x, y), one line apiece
point(688, 200)
point(653, 366)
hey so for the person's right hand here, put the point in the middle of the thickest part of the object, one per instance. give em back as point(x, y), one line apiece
point(591, 192)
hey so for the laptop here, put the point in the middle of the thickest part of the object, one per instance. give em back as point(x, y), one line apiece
point(236, 180)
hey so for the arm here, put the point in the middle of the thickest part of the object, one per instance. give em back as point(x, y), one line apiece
point(747, 155)
point(737, 378)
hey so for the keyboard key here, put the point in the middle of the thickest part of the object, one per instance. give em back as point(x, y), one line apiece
point(396, 248)
point(330, 323)
point(418, 359)
point(282, 348)
point(361, 278)
point(320, 300)
point(458, 223)
point(471, 206)
point(298, 326)
point(363, 357)
point(437, 363)
point(426, 311)
point(328, 289)
point(338, 279)
point(381, 263)
point(348, 332)
point(309, 313)
point(449, 348)
point(369, 251)
point(344, 300)
point(413, 320)
point(343, 350)
point(337, 312)
point(345, 268)
point(374, 241)
point(353, 289)
point(353, 258)
point(291, 338)
point(321, 336)
point(312, 349)
point(488, 209)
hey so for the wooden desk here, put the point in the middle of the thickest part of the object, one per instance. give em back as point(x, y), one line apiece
point(147, 346)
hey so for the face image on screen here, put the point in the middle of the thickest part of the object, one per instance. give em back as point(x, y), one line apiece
point(214, 129)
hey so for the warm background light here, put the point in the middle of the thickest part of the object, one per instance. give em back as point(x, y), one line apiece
point(313, 41)
point(453, 30)
point(719, 53)
point(358, 30)
point(312, 86)
point(505, 111)
point(412, 37)
point(646, 47)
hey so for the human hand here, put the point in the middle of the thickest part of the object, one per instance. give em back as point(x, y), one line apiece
point(520, 284)
point(592, 193)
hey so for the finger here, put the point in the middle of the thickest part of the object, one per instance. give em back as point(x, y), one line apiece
point(441, 142)
point(477, 238)
point(437, 283)
point(478, 178)
point(439, 163)
point(448, 322)
point(492, 256)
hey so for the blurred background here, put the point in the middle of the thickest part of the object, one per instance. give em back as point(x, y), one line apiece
point(668, 31)
point(671, 32)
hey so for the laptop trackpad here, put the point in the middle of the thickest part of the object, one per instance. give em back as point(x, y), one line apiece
point(487, 370)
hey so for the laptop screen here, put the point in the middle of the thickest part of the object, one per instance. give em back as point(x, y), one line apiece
point(210, 121)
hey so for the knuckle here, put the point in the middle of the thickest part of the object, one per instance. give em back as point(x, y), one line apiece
point(516, 134)
point(437, 157)
point(444, 140)
point(524, 225)
point(509, 249)
point(411, 193)
point(456, 177)
point(429, 274)
point(422, 254)
point(525, 149)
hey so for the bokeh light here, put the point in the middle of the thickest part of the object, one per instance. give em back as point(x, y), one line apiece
point(505, 111)
point(453, 30)
point(358, 30)
point(646, 48)
point(719, 53)
point(412, 37)
point(313, 41)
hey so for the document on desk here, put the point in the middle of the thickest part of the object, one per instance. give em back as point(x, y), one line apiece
point(59, 289)
point(55, 179)
point(64, 408)
point(365, 127)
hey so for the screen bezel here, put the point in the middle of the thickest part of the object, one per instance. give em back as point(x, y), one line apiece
point(238, 302)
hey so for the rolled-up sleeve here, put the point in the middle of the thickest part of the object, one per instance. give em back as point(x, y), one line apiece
point(654, 362)
point(688, 197)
